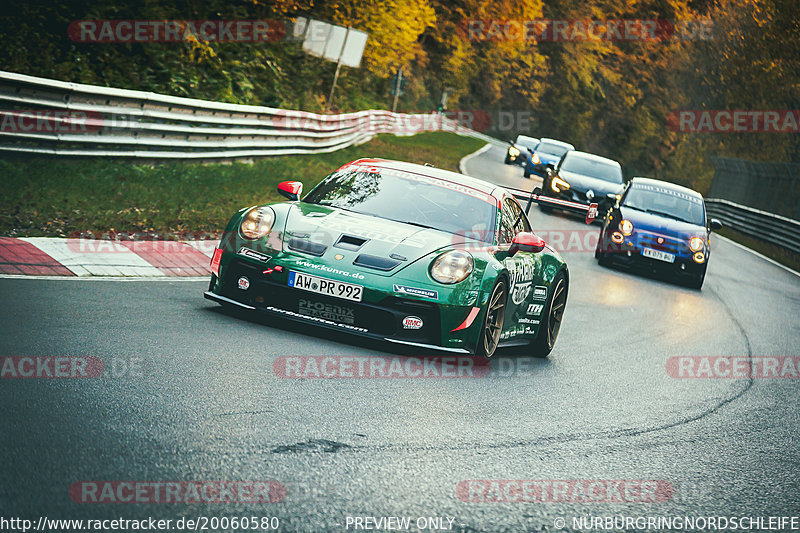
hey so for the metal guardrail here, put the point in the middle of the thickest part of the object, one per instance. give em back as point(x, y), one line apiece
point(138, 124)
point(767, 227)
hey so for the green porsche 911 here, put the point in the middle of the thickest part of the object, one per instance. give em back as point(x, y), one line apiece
point(399, 252)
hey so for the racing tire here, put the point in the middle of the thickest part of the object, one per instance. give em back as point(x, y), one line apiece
point(553, 314)
point(493, 321)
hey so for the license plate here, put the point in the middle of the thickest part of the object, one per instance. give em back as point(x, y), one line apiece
point(658, 254)
point(328, 287)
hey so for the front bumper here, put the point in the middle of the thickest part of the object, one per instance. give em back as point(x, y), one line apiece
point(630, 253)
point(380, 315)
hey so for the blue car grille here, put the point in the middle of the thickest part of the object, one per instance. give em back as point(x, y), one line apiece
point(670, 244)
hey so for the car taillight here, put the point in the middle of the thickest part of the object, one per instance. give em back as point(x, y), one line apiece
point(215, 259)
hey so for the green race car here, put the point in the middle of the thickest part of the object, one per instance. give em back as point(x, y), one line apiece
point(399, 252)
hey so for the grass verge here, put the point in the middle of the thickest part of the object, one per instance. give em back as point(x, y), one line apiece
point(60, 197)
point(777, 253)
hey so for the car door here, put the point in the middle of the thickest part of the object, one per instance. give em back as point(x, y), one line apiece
point(523, 268)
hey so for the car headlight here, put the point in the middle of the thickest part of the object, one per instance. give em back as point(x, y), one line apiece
point(513, 152)
point(257, 222)
point(626, 227)
point(558, 184)
point(536, 159)
point(696, 244)
point(452, 267)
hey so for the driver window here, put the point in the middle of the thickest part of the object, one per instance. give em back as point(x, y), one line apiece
point(513, 221)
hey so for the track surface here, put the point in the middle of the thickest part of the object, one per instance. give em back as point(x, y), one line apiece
point(207, 406)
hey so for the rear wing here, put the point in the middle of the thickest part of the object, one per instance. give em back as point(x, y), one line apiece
point(573, 207)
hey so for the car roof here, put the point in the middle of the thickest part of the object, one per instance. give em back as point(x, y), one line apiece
point(593, 157)
point(433, 172)
point(666, 185)
point(556, 142)
point(526, 138)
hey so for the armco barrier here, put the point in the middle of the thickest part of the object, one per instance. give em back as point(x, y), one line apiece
point(138, 124)
point(768, 227)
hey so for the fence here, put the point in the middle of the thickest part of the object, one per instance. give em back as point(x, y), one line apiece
point(43, 116)
point(759, 199)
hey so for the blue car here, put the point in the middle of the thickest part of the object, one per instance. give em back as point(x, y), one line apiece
point(660, 226)
point(545, 155)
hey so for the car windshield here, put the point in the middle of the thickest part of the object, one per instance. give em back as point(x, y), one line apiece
point(411, 198)
point(526, 142)
point(553, 149)
point(592, 168)
point(666, 202)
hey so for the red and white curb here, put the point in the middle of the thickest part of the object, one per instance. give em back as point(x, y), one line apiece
point(45, 256)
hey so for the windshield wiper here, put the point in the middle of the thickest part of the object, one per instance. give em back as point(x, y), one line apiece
point(418, 224)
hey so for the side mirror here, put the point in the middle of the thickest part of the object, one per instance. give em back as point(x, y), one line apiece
point(526, 242)
point(611, 197)
point(290, 189)
point(715, 224)
point(511, 142)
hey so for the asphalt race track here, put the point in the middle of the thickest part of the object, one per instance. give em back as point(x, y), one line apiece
point(193, 396)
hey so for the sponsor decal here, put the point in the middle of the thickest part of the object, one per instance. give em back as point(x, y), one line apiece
point(414, 291)
point(668, 190)
point(540, 292)
point(521, 272)
point(535, 309)
point(318, 320)
point(325, 268)
point(247, 252)
point(337, 313)
point(412, 322)
point(243, 283)
point(528, 321)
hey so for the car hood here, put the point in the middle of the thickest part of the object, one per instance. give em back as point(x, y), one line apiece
point(582, 183)
point(659, 224)
point(547, 159)
point(325, 226)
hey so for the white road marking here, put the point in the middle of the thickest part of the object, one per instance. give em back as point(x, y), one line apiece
point(117, 261)
point(204, 247)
